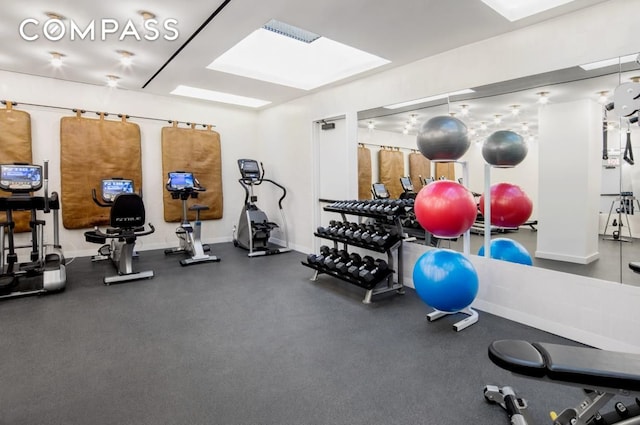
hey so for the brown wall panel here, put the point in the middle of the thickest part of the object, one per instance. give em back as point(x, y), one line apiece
point(364, 173)
point(92, 150)
point(199, 152)
point(419, 168)
point(391, 165)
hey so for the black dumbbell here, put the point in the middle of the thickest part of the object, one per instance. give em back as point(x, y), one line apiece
point(354, 268)
point(367, 261)
point(354, 259)
point(348, 232)
point(367, 235)
point(370, 270)
point(318, 259)
point(357, 234)
point(330, 257)
point(331, 262)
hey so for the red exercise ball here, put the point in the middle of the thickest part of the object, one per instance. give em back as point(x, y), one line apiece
point(445, 208)
point(510, 206)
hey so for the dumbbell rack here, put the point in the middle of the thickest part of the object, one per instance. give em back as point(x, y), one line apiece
point(384, 282)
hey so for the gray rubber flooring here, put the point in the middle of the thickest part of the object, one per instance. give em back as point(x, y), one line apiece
point(247, 341)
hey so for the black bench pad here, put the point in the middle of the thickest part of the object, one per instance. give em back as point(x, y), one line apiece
point(588, 367)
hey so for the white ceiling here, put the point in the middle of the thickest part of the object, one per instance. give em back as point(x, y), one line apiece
point(401, 31)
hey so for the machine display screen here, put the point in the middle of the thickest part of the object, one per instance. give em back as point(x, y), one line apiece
point(179, 181)
point(114, 187)
point(380, 190)
point(249, 168)
point(406, 184)
point(20, 178)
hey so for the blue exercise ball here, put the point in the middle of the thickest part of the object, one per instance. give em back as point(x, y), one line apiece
point(445, 280)
point(508, 250)
point(443, 138)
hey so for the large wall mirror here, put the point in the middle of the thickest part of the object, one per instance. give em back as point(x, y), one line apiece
point(576, 142)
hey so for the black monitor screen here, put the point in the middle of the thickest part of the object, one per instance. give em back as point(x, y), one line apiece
point(20, 178)
point(179, 181)
point(249, 168)
point(380, 190)
point(114, 187)
point(406, 184)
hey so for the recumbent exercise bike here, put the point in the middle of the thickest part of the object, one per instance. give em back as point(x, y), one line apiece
point(183, 185)
point(127, 224)
point(254, 228)
point(45, 272)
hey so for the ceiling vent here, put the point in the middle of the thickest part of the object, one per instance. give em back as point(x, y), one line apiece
point(291, 31)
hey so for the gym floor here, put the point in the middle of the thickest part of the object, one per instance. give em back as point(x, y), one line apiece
point(248, 341)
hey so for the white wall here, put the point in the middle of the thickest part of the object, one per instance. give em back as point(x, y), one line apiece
point(571, 147)
point(553, 44)
point(236, 126)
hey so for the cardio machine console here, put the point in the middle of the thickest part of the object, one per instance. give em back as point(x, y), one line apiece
point(20, 178)
point(111, 188)
point(249, 169)
point(406, 184)
point(180, 180)
point(380, 191)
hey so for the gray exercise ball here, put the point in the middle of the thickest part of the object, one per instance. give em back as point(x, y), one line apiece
point(443, 138)
point(504, 148)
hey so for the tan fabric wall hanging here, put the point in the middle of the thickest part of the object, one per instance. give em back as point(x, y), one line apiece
point(364, 173)
point(419, 168)
point(199, 152)
point(446, 170)
point(15, 146)
point(92, 150)
point(391, 163)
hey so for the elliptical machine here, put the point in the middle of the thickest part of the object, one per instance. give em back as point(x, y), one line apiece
point(254, 228)
point(127, 224)
point(45, 272)
point(183, 185)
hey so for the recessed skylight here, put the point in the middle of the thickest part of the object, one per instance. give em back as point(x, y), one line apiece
point(217, 96)
point(428, 99)
point(283, 54)
point(609, 62)
point(519, 9)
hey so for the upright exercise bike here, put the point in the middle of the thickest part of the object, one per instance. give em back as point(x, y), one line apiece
point(254, 228)
point(183, 185)
point(127, 224)
point(45, 272)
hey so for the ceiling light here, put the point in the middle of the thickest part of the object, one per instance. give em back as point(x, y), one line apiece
point(56, 59)
point(428, 99)
point(525, 127)
point(126, 58)
point(515, 109)
point(635, 79)
point(216, 96)
point(472, 132)
point(370, 125)
point(602, 97)
point(543, 98)
point(407, 125)
point(609, 62)
point(414, 119)
point(483, 126)
point(497, 119)
point(112, 81)
point(514, 10)
point(53, 15)
point(146, 15)
point(405, 131)
point(464, 110)
point(284, 59)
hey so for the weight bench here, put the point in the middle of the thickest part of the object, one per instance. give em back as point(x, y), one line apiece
point(603, 374)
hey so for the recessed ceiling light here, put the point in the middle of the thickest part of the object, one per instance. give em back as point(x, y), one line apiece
point(286, 57)
point(428, 99)
point(56, 59)
point(146, 15)
point(514, 10)
point(112, 81)
point(126, 58)
point(543, 97)
point(216, 96)
point(609, 62)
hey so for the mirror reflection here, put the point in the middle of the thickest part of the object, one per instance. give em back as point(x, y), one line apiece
point(579, 173)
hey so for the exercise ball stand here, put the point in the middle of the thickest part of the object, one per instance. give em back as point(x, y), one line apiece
point(466, 250)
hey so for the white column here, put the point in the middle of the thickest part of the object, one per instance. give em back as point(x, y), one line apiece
point(570, 166)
